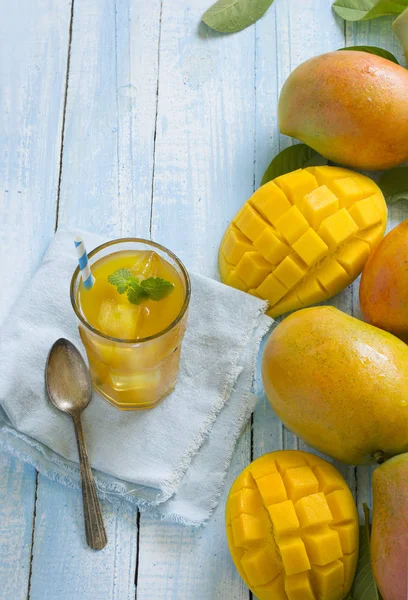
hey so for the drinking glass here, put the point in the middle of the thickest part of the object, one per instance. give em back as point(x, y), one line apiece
point(133, 374)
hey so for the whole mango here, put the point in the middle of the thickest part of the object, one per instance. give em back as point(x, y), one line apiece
point(339, 384)
point(384, 283)
point(303, 237)
point(351, 106)
point(292, 528)
point(389, 533)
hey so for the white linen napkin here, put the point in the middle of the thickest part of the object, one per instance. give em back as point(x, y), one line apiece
point(171, 459)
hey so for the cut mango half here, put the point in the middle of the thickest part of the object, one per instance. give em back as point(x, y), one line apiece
point(292, 528)
point(303, 237)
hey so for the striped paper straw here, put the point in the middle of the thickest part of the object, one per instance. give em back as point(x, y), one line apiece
point(87, 278)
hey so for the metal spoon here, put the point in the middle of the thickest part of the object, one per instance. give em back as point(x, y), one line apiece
point(69, 389)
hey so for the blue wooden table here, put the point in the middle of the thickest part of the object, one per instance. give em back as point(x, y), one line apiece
point(127, 117)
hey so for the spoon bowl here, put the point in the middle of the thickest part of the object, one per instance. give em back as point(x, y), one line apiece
point(67, 378)
point(69, 389)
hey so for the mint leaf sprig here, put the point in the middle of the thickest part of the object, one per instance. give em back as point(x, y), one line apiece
point(153, 288)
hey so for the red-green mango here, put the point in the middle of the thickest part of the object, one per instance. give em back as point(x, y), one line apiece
point(351, 107)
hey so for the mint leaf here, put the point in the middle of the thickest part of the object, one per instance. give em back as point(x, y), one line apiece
point(373, 50)
point(294, 157)
point(363, 10)
point(136, 294)
point(154, 288)
point(121, 278)
point(229, 16)
point(157, 288)
point(125, 281)
point(394, 184)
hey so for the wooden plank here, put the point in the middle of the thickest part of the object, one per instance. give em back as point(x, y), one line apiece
point(32, 72)
point(110, 119)
point(205, 134)
point(106, 187)
point(203, 174)
point(63, 566)
point(374, 33)
point(17, 499)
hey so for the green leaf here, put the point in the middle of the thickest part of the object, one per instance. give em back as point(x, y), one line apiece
point(136, 294)
point(373, 50)
point(229, 16)
point(292, 158)
point(363, 10)
point(157, 288)
point(364, 586)
point(400, 28)
point(394, 184)
point(121, 278)
point(154, 288)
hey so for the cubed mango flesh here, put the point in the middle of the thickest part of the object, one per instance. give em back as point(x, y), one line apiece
point(292, 528)
point(303, 237)
point(298, 587)
point(318, 205)
point(252, 269)
point(300, 482)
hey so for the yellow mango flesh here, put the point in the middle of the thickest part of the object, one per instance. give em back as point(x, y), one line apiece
point(292, 528)
point(303, 237)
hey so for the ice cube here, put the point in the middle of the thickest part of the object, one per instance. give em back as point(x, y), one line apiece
point(146, 380)
point(147, 265)
point(120, 320)
point(102, 351)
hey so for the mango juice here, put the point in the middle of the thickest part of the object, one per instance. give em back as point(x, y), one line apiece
point(133, 341)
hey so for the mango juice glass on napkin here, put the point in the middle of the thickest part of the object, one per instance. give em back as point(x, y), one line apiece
point(133, 340)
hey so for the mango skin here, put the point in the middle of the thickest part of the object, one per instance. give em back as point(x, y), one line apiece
point(351, 107)
point(339, 384)
point(384, 283)
point(389, 533)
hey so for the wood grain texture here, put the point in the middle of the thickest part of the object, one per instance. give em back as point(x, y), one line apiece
point(34, 36)
point(17, 499)
point(106, 187)
point(110, 121)
point(64, 567)
point(205, 133)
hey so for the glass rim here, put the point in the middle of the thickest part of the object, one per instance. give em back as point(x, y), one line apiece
point(149, 338)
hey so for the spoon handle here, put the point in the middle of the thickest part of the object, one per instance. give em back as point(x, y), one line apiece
point(94, 527)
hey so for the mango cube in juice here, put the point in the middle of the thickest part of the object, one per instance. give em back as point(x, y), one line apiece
point(283, 538)
point(139, 366)
point(119, 320)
